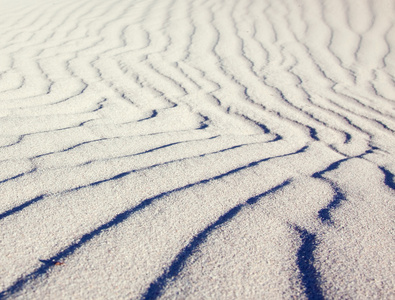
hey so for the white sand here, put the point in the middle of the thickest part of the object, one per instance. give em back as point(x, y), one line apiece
point(197, 149)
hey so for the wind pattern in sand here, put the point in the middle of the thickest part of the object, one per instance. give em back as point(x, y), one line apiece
point(204, 149)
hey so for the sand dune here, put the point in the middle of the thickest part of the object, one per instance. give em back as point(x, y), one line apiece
point(197, 149)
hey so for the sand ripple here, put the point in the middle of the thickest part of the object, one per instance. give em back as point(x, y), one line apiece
point(197, 149)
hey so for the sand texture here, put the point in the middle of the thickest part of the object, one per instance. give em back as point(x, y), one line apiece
point(197, 149)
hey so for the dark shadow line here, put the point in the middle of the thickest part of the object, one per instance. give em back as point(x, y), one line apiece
point(277, 138)
point(262, 126)
point(154, 113)
point(119, 218)
point(47, 264)
point(105, 180)
point(41, 197)
point(388, 178)
point(348, 137)
point(324, 214)
point(331, 167)
point(305, 260)
point(158, 148)
point(11, 178)
point(69, 148)
point(118, 176)
point(156, 287)
point(253, 164)
point(313, 133)
point(20, 207)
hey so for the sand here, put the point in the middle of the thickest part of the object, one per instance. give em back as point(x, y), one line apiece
point(197, 149)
